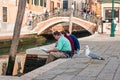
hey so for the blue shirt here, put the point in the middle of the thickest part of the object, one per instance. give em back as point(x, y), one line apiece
point(76, 42)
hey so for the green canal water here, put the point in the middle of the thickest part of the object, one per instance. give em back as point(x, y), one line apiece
point(34, 41)
point(26, 43)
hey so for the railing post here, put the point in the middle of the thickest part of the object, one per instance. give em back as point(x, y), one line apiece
point(70, 21)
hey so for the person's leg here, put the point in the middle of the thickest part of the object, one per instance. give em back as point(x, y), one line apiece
point(50, 58)
point(55, 55)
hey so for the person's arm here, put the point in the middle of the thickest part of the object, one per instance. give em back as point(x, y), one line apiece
point(52, 50)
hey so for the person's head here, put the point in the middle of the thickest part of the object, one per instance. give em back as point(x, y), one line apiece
point(63, 32)
point(67, 32)
point(56, 35)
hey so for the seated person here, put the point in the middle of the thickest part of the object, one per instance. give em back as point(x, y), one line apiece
point(70, 39)
point(61, 50)
point(76, 42)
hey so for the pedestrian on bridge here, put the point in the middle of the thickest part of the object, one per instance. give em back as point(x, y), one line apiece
point(58, 10)
point(72, 8)
point(46, 15)
point(30, 17)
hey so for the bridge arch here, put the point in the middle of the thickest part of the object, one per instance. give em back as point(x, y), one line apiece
point(90, 27)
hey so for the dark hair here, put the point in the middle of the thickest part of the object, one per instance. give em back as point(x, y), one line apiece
point(67, 31)
point(63, 32)
point(56, 33)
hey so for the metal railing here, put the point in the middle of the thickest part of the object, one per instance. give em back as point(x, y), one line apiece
point(63, 13)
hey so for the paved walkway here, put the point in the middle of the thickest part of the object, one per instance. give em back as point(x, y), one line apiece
point(78, 68)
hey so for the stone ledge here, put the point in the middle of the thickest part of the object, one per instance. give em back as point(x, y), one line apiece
point(37, 72)
point(9, 78)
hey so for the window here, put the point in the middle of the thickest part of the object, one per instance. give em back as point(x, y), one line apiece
point(65, 4)
point(41, 2)
point(36, 2)
point(27, 1)
point(74, 5)
point(44, 3)
point(4, 14)
point(108, 14)
point(58, 5)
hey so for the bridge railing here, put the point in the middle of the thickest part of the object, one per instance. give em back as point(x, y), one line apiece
point(63, 13)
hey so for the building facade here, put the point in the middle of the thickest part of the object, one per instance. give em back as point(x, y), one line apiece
point(8, 11)
point(78, 4)
point(103, 9)
point(106, 14)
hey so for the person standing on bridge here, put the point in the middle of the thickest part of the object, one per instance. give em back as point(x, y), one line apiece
point(46, 15)
point(62, 49)
point(115, 23)
point(58, 10)
point(72, 8)
point(30, 17)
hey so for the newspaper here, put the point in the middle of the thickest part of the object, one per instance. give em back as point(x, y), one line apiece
point(43, 49)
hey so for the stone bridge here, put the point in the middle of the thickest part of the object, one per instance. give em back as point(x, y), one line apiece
point(91, 27)
point(46, 23)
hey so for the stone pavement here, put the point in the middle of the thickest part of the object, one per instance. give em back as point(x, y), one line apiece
point(78, 68)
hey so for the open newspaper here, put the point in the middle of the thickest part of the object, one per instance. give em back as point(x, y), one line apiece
point(40, 50)
point(43, 49)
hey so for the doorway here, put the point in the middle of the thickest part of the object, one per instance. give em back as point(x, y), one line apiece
point(51, 5)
